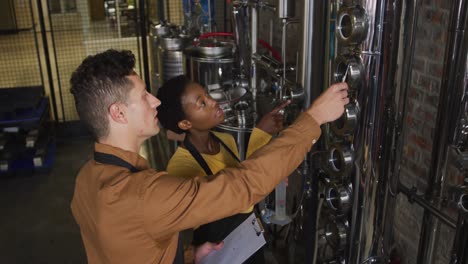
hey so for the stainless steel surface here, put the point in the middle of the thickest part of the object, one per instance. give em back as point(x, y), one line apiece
point(171, 63)
point(352, 25)
point(339, 161)
point(460, 139)
point(286, 8)
point(336, 234)
point(241, 32)
point(253, 50)
point(158, 30)
point(407, 29)
point(347, 123)
point(210, 48)
point(212, 73)
point(168, 43)
point(352, 65)
point(306, 62)
point(293, 92)
point(369, 136)
point(360, 57)
point(338, 198)
point(460, 243)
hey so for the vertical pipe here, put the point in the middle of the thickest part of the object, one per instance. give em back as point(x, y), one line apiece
point(365, 233)
point(460, 243)
point(144, 43)
point(47, 59)
point(444, 124)
point(283, 55)
point(286, 8)
point(253, 45)
point(311, 77)
point(408, 23)
point(36, 43)
point(306, 65)
point(240, 15)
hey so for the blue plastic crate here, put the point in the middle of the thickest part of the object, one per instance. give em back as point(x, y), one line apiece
point(26, 164)
point(25, 118)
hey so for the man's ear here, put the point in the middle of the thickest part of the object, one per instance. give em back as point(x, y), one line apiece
point(117, 113)
point(184, 124)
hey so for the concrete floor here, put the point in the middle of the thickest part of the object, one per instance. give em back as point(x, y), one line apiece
point(36, 224)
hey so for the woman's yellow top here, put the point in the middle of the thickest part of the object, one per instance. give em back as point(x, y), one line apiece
point(183, 164)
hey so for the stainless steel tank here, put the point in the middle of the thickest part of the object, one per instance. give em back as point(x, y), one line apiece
point(212, 73)
point(171, 57)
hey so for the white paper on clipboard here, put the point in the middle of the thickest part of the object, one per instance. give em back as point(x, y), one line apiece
point(240, 244)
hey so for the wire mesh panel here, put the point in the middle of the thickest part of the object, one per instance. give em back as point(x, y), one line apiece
point(175, 12)
point(20, 65)
point(82, 28)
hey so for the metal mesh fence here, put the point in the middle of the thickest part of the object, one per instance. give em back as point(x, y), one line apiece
point(20, 66)
point(85, 28)
point(72, 30)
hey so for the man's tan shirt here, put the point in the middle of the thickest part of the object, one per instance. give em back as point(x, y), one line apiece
point(127, 217)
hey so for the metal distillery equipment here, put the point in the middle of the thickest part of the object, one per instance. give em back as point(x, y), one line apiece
point(344, 206)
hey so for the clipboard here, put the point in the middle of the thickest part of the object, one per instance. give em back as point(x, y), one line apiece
point(240, 244)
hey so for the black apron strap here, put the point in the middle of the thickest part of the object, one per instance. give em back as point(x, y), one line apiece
point(179, 257)
point(197, 156)
point(225, 147)
point(113, 160)
point(116, 161)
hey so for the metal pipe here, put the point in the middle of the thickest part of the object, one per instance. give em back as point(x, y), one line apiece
point(368, 203)
point(409, 20)
point(240, 15)
point(414, 197)
point(283, 55)
point(460, 243)
point(47, 60)
point(253, 50)
point(445, 123)
point(306, 66)
point(144, 42)
point(311, 61)
point(286, 8)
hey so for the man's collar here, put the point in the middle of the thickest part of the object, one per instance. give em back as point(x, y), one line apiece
point(131, 157)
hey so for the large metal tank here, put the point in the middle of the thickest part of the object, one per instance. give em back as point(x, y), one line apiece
point(156, 32)
point(212, 65)
point(171, 58)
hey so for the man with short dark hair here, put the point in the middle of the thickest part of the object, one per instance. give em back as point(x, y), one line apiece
point(130, 213)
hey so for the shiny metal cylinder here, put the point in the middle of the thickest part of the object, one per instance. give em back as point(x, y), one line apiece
point(338, 198)
point(286, 8)
point(212, 73)
point(242, 36)
point(351, 68)
point(352, 25)
point(293, 92)
point(460, 243)
point(339, 160)
point(336, 234)
point(171, 63)
point(311, 75)
point(346, 124)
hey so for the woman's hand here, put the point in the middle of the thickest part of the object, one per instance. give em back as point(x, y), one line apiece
point(205, 249)
point(272, 122)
